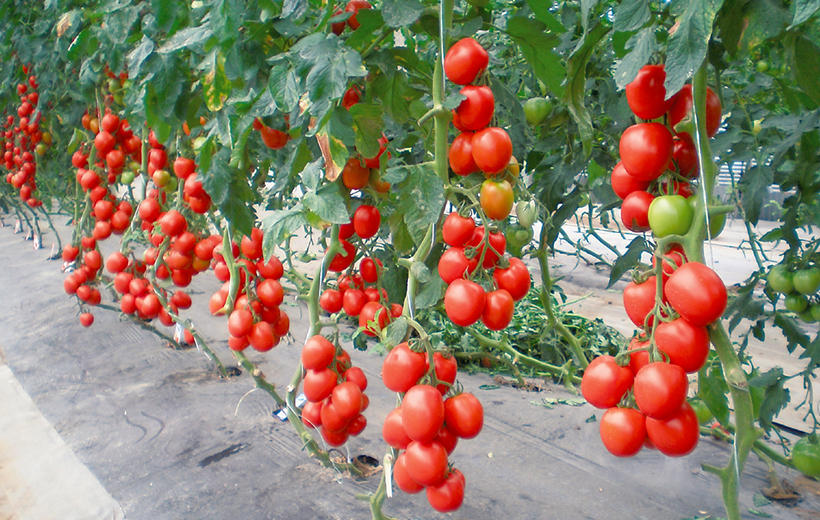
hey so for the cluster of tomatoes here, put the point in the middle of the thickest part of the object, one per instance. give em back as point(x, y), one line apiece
point(479, 147)
point(21, 141)
point(334, 390)
point(657, 164)
point(465, 300)
point(426, 427)
point(256, 319)
point(800, 287)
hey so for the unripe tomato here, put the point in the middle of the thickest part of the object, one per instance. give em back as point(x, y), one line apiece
point(670, 215)
point(496, 199)
point(536, 110)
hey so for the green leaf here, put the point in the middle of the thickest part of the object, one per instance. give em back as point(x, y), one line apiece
point(536, 45)
point(794, 335)
point(806, 67)
point(328, 203)
point(763, 20)
point(766, 379)
point(754, 190)
point(687, 46)
point(774, 399)
point(631, 15)
point(284, 87)
point(803, 10)
point(642, 45)
point(400, 13)
point(421, 198)
point(279, 225)
point(628, 260)
point(185, 38)
point(596, 171)
point(164, 11)
point(368, 124)
point(712, 389)
point(543, 15)
point(430, 293)
point(396, 174)
point(139, 54)
point(396, 331)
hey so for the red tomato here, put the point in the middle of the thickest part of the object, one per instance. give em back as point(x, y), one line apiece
point(393, 430)
point(464, 61)
point(368, 270)
point(373, 311)
point(317, 353)
point(342, 261)
point(498, 310)
point(352, 94)
point(262, 337)
point(426, 463)
point(272, 269)
point(685, 156)
point(366, 220)
point(357, 425)
point(347, 399)
point(240, 322)
point(681, 106)
point(646, 94)
point(86, 319)
point(312, 414)
point(515, 279)
point(660, 389)
point(448, 495)
point(639, 300)
point(333, 438)
point(270, 293)
point(464, 302)
point(476, 111)
point(457, 230)
point(677, 435)
point(318, 384)
point(498, 245)
point(331, 301)
point(492, 149)
point(623, 184)
point(639, 359)
point(422, 412)
point(116, 262)
point(686, 345)
point(623, 431)
point(453, 264)
point(402, 368)
point(354, 6)
point(173, 223)
point(356, 375)
point(273, 138)
point(353, 301)
point(149, 210)
point(460, 155)
point(635, 211)
point(605, 382)
point(464, 415)
point(645, 150)
point(403, 479)
point(355, 176)
point(446, 369)
point(697, 293)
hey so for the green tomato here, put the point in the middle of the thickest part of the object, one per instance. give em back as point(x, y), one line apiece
point(796, 303)
point(172, 184)
point(536, 110)
point(806, 456)
point(127, 177)
point(40, 149)
point(517, 237)
point(807, 316)
point(701, 410)
point(807, 281)
point(780, 279)
point(815, 312)
point(526, 212)
point(670, 215)
point(134, 166)
point(762, 66)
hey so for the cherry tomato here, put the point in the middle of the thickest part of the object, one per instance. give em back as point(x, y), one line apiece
point(393, 430)
point(460, 155)
point(342, 261)
point(446, 369)
point(515, 279)
point(464, 302)
point(476, 111)
point(639, 358)
point(376, 312)
point(464, 61)
point(453, 264)
point(646, 94)
point(355, 175)
point(317, 384)
point(492, 149)
point(331, 301)
point(670, 215)
point(807, 281)
point(536, 110)
point(403, 479)
point(347, 399)
point(498, 310)
point(464, 415)
point(605, 382)
point(697, 293)
point(623, 431)
point(353, 300)
point(448, 495)
point(368, 270)
point(498, 244)
point(317, 353)
point(660, 389)
point(496, 199)
point(426, 463)
point(639, 300)
point(681, 106)
point(677, 435)
point(686, 345)
point(635, 211)
point(645, 150)
point(685, 156)
point(623, 184)
point(402, 368)
point(422, 412)
point(366, 220)
point(457, 230)
point(354, 6)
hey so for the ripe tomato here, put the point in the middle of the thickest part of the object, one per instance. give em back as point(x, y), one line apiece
point(366, 220)
point(492, 150)
point(639, 300)
point(670, 215)
point(639, 358)
point(149, 210)
point(460, 155)
point(623, 431)
point(660, 389)
point(173, 223)
point(273, 269)
point(623, 184)
point(352, 301)
point(262, 337)
point(375, 312)
point(515, 279)
point(498, 310)
point(476, 111)
point(448, 495)
point(86, 319)
point(677, 435)
point(347, 399)
point(457, 230)
point(333, 438)
point(464, 302)
point(317, 353)
point(393, 430)
point(681, 106)
point(464, 415)
point(368, 270)
point(312, 414)
point(426, 463)
point(318, 384)
point(342, 261)
point(354, 93)
point(331, 301)
point(354, 6)
point(635, 211)
point(184, 167)
point(697, 293)
point(273, 138)
point(422, 412)
point(646, 94)
point(402, 368)
point(240, 322)
point(403, 479)
point(356, 375)
point(446, 369)
point(685, 156)
point(464, 61)
point(332, 419)
point(498, 244)
point(646, 149)
point(116, 262)
point(453, 264)
point(496, 198)
point(605, 382)
point(355, 175)
point(686, 345)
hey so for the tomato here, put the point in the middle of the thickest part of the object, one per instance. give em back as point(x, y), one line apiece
point(354, 93)
point(515, 279)
point(373, 311)
point(273, 269)
point(184, 167)
point(498, 244)
point(317, 353)
point(318, 384)
point(366, 220)
point(806, 456)
point(623, 184)
point(402, 368)
point(333, 438)
point(685, 155)
point(368, 270)
point(460, 155)
point(498, 310)
point(402, 477)
point(623, 431)
point(476, 111)
point(635, 211)
point(393, 430)
point(352, 301)
point(270, 293)
point(807, 281)
point(356, 375)
point(677, 435)
point(342, 261)
point(660, 389)
point(697, 293)
point(446, 369)
point(464, 415)
point(426, 462)
point(346, 398)
point(605, 382)
point(312, 414)
point(173, 223)
point(673, 258)
point(796, 303)
point(355, 175)
point(517, 238)
point(457, 230)
point(464, 61)
point(149, 210)
point(492, 150)
point(262, 337)
point(86, 319)
point(448, 495)
point(354, 6)
point(639, 358)
point(375, 161)
point(116, 262)
point(104, 142)
point(780, 279)
point(240, 322)
point(453, 264)
point(646, 94)
point(639, 300)
point(670, 215)
point(536, 110)
point(686, 345)
point(464, 302)
point(496, 199)
point(645, 150)
point(422, 412)
point(680, 106)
